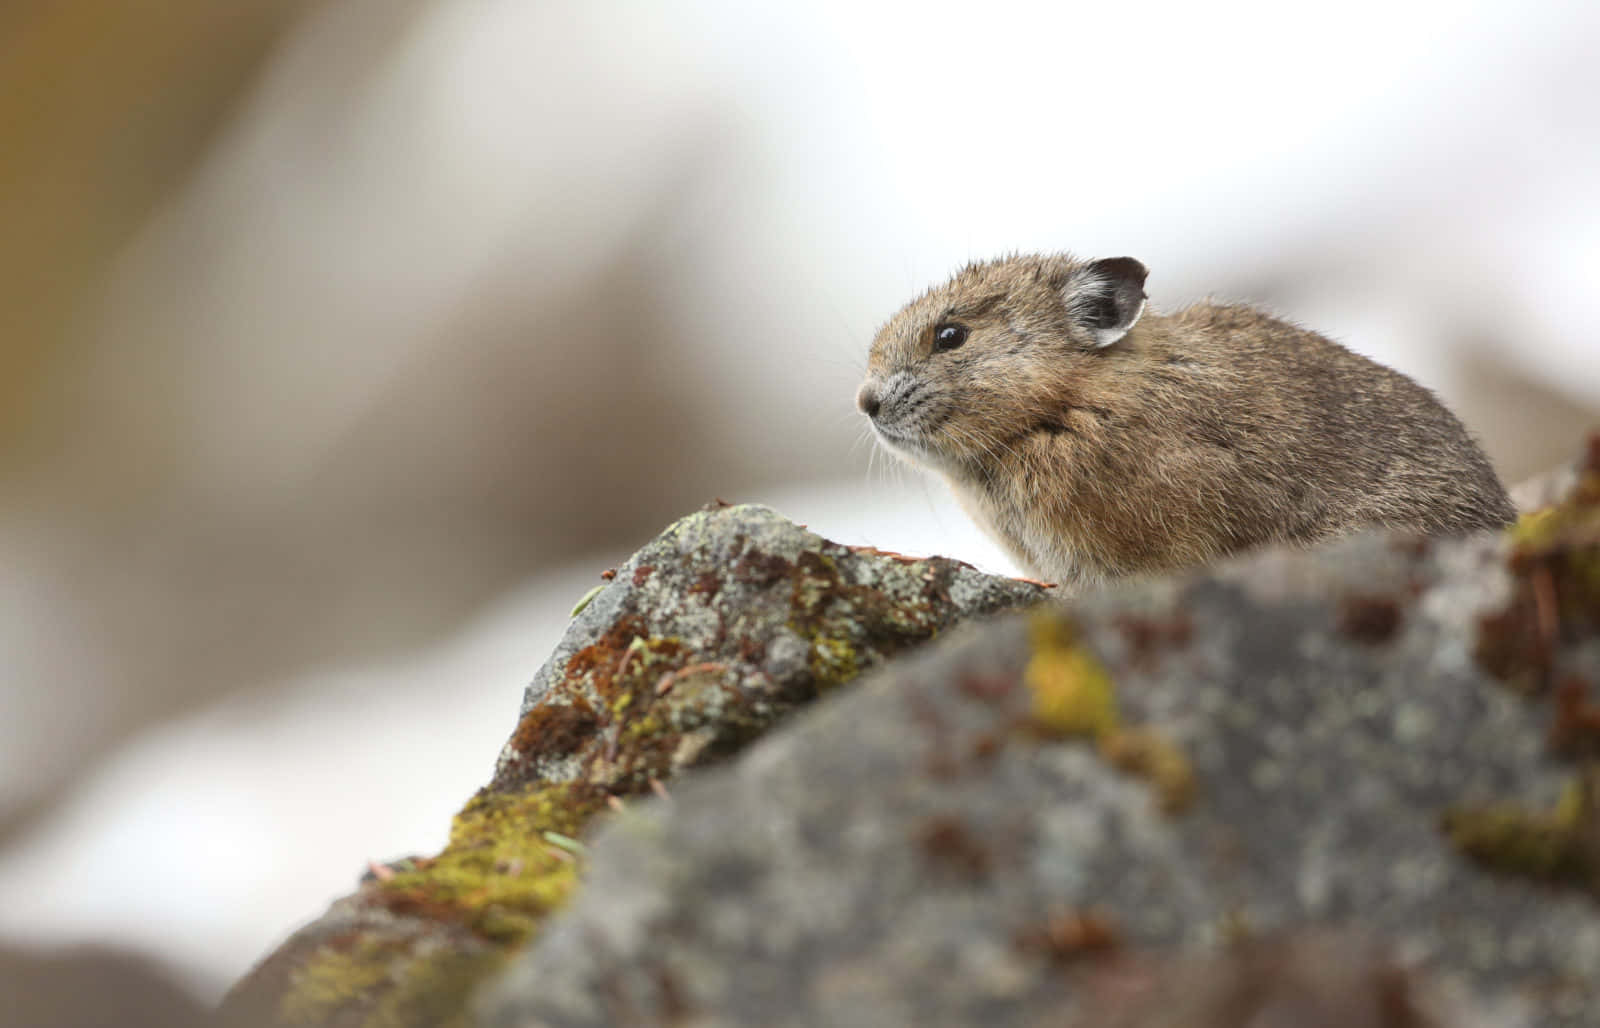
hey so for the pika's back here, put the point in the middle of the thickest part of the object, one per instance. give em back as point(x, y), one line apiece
point(1094, 439)
point(1365, 436)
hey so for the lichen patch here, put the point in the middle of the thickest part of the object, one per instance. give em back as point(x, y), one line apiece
point(1072, 694)
point(499, 876)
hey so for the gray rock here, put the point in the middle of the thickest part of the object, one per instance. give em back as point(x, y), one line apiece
point(1357, 786)
point(706, 638)
point(725, 622)
point(969, 837)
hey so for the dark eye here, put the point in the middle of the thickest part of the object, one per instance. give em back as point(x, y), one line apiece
point(948, 337)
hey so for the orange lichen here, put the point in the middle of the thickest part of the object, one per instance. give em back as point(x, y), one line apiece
point(1069, 936)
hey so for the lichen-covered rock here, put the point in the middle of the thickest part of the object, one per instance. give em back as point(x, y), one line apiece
point(728, 621)
point(1012, 825)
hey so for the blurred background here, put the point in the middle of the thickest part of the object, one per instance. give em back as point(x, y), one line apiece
point(343, 344)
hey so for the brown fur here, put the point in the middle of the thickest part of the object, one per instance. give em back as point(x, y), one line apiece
point(1195, 435)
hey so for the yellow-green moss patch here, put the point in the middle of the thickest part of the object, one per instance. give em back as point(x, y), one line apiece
point(1554, 560)
point(334, 977)
point(1073, 696)
point(1554, 845)
point(833, 661)
point(1566, 537)
point(500, 876)
point(1147, 754)
point(435, 991)
point(1072, 693)
point(640, 667)
point(851, 626)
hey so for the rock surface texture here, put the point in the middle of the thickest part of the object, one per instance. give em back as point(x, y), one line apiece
point(1350, 787)
point(708, 636)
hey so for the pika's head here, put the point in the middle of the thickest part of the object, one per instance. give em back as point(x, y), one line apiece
point(970, 366)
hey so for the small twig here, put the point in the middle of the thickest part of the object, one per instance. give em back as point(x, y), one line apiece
point(588, 597)
point(670, 679)
point(660, 790)
point(615, 803)
point(566, 842)
point(873, 551)
point(561, 854)
point(382, 872)
point(622, 662)
point(1545, 605)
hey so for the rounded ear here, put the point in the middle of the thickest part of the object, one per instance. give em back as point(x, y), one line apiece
point(1107, 297)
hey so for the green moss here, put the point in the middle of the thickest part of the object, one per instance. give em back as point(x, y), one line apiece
point(833, 662)
point(636, 672)
point(1566, 539)
point(435, 991)
point(513, 855)
point(506, 926)
point(1555, 563)
point(334, 977)
point(387, 983)
point(1533, 528)
point(851, 627)
point(1074, 697)
point(1575, 519)
point(499, 876)
point(1072, 693)
point(604, 723)
point(648, 726)
point(1552, 845)
point(817, 582)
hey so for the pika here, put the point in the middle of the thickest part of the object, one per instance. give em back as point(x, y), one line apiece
point(1097, 440)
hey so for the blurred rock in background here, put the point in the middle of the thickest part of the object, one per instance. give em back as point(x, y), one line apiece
point(93, 987)
point(104, 110)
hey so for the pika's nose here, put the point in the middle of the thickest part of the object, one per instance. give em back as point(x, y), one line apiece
point(867, 400)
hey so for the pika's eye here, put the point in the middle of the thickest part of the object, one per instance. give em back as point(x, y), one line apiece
point(948, 337)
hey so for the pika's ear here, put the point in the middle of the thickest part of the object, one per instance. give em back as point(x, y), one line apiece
point(1106, 297)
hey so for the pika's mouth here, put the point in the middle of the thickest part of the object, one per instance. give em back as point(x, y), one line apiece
point(905, 417)
point(914, 446)
point(894, 436)
point(899, 436)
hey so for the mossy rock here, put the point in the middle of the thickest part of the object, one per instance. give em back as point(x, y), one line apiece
point(705, 639)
